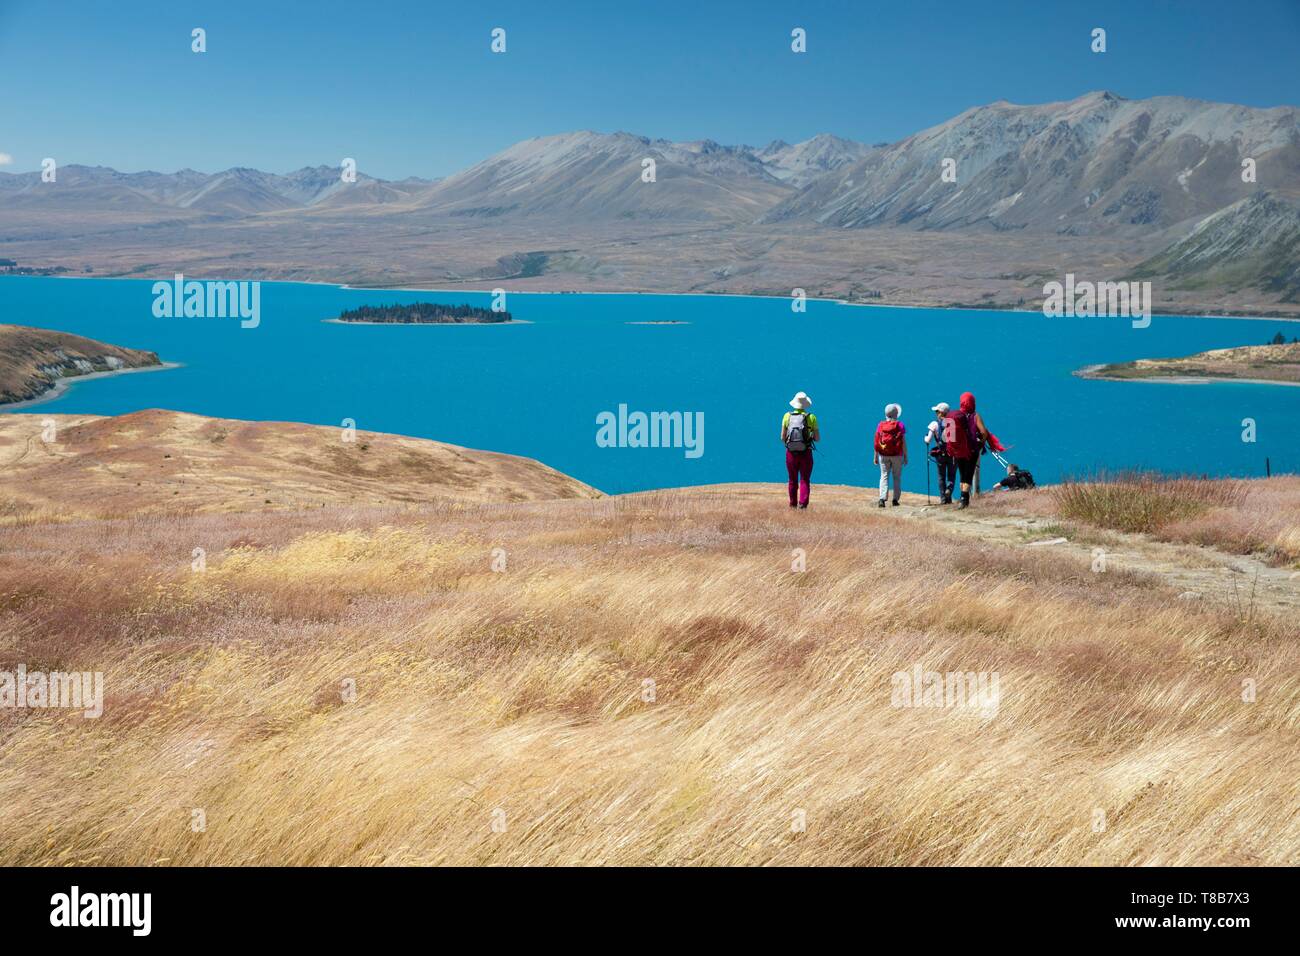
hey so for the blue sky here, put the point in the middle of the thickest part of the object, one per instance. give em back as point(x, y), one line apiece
point(412, 88)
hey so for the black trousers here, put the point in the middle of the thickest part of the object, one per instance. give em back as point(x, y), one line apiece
point(966, 466)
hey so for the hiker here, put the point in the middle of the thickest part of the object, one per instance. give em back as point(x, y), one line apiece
point(938, 450)
point(799, 432)
point(967, 437)
point(891, 452)
point(1017, 479)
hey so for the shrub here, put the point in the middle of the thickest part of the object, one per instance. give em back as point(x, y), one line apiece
point(1143, 501)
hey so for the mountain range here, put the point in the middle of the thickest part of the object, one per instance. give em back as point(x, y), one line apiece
point(1100, 167)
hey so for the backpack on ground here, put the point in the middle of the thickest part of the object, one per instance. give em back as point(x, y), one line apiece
point(889, 438)
point(798, 432)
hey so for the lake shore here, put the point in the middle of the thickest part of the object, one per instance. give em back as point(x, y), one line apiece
point(1247, 315)
point(1096, 372)
point(60, 386)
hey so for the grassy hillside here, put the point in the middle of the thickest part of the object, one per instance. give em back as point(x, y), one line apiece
point(170, 462)
point(640, 679)
point(35, 361)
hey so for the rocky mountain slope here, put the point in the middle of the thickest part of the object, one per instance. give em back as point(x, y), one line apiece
point(1096, 164)
point(1254, 243)
point(579, 175)
point(595, 176)
point(801, 163)
point(1099, 184)
point(35, 361)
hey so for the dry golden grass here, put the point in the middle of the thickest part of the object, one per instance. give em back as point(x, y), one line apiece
point(524, 691)
point(165, 462)
point(1260, 517)
point(1143, 502)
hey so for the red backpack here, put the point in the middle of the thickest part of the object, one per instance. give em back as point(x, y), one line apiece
point(889, 438)
point(956, 434)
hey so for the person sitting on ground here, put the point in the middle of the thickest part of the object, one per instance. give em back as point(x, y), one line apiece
point(943, 462)
point(1016, 479)
point(891, 452)
point(799, 432)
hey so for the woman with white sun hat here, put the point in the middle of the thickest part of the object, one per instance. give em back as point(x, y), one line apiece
point(799, 431)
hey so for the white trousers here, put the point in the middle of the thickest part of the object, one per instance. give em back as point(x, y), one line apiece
point(891, 464)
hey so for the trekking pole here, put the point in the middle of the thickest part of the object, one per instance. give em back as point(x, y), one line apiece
point(927, 479)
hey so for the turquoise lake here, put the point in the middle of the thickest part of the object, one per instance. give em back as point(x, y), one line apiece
point(536, 389)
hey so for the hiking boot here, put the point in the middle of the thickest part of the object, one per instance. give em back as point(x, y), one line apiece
point(946, 500)
point(895, 502)
point(965, 501)
point(882, 502)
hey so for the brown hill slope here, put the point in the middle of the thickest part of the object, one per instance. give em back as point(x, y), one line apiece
point(162, 461)
point(34, 362)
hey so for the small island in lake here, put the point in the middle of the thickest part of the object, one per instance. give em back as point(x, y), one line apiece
point(1277, 363)
point(422, 313)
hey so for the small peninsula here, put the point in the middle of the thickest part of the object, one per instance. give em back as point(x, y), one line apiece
point(36, 364)
point(1276, 363)
point(423, 313)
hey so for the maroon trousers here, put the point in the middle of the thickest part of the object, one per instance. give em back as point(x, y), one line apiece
point(798, 465)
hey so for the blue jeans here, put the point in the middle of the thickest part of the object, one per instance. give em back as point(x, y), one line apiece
point(947, 468)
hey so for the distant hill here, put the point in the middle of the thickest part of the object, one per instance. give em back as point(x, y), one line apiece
point(1098, 164)
point(1253, 243)
point(1099, 183)
point(804, 162)
point(231, 193)
point(36, 361)
point(597, 176)
point(163, 461)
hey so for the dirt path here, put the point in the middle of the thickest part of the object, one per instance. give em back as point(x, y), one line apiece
point(1197, 573)
point(1238, 582)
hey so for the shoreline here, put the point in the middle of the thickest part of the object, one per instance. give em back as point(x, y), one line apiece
point(61, 385)
point(1092, 372)
point(1251, 316)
